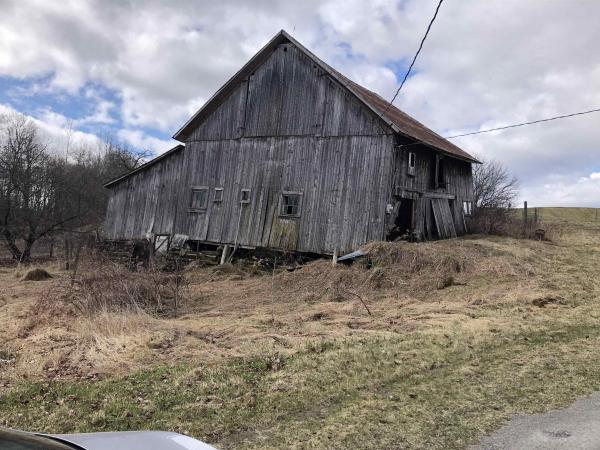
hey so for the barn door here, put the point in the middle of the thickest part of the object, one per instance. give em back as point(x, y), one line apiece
point(285, 224)
point(284, 234)
point(444, 221)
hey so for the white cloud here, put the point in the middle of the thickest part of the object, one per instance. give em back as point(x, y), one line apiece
point(139, 140)
point(565, 191)
point(484, 64)
point(55, 133)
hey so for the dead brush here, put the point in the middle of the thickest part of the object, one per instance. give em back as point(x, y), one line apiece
point(411, 258)
point(102, 286)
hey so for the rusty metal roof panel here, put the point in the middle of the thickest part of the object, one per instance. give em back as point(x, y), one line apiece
point(408, 125)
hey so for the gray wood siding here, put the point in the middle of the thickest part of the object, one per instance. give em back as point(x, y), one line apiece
point(146, 202)
point(227, 121)
point(421, 186)
point(288, 96)
point(335, 212)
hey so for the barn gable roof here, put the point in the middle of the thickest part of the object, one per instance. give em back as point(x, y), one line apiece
point(145, 166)
point(396, 119)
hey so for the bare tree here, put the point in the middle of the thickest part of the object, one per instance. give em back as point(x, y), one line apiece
point(119, 159)
point(42, 193)
point(493, 186)
point(30, 206)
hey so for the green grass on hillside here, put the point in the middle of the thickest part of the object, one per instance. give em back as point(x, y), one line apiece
point(565, 215)
point(409, 391)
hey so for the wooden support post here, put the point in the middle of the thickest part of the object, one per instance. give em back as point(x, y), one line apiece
point(535, 215)
point(224, 254)
point(525, 213)
point(335, 256)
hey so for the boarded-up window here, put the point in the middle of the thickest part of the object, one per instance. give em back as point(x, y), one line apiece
point(199, 198)
point(218, 195)
point(290, 204)
point(412, 162)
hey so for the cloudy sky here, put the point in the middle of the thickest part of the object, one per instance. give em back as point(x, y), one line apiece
point(136, 71)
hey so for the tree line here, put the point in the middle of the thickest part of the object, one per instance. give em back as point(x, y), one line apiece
point(43, 193)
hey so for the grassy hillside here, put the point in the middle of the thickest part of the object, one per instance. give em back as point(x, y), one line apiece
point(428, 346)
point(566, 215)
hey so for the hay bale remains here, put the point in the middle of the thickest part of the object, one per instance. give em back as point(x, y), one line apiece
point(36, 275)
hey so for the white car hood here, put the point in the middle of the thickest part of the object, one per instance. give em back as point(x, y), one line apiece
point(133, 440)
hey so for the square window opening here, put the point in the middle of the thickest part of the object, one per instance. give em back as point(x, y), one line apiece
point(199, 199)
point(290, 204)
point(245, 196)
point(218, 195)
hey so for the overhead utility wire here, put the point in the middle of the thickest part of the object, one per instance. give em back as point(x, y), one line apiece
point(522, 124)
point(581, 113)
point(414, 59)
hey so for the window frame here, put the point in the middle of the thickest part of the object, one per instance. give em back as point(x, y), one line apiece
point(243, 200)
point(218, 198)
point(467, 208)
point(298, 195)
point(203, 207)
point(411, 167)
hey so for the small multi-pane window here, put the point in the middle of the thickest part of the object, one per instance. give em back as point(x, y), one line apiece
point(245, 196)
point(412, 162)
point(199, 198)
point(468, 208)
point(218, 195)
point(290, 204)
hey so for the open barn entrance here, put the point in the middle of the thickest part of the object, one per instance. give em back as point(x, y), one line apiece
point(403, 223)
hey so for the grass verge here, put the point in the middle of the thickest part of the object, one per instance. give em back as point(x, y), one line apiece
point(412, 391)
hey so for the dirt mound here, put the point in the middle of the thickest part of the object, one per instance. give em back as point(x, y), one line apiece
point(36, 275)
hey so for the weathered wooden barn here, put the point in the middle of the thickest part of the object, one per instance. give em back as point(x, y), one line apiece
point(289, 154)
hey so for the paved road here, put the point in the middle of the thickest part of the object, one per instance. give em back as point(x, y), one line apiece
point(574, 428)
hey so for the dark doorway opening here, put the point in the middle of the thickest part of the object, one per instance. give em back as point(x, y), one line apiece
point(403, 223)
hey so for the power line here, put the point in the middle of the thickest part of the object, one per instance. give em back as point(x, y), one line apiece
point(510, 126)
point(414, 59)
point(581, 113)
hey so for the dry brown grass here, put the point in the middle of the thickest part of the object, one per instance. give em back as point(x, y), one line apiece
point(114, 321)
